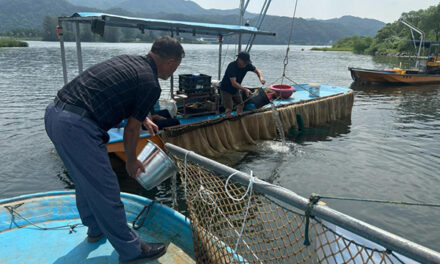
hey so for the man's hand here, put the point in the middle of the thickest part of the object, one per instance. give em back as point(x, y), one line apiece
point(263, 81)
point(134, 167)
point(150, 126)
point(247, 91)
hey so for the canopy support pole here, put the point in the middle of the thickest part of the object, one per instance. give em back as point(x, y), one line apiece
point(172, 75)
point(78, 47)
point(220, 44)
point(240, 22)
point(259, 23)
point(63, 52)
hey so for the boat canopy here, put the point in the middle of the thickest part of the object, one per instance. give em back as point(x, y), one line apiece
point(163, 25)
point(98, 22)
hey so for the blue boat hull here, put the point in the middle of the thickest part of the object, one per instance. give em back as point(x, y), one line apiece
point(23, 242)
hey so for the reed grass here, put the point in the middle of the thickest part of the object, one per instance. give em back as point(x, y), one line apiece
point(10, 42)
point(331, 49)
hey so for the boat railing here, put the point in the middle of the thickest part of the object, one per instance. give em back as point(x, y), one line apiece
point(270, 223)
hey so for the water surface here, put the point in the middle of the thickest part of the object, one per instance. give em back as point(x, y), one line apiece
point(389, 149)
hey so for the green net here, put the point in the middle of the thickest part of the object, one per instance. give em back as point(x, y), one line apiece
point(262, 229)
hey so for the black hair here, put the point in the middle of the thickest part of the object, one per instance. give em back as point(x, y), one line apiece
point(168, 47)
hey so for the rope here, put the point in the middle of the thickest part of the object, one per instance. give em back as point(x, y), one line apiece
point(249, 190)
point(312, 201)
point(286, 57)
point(13, 212)
point(213, 202)
point(227, 192)
point(224, 56)
point(185, 174)
point(377, 201)
point(146, 209)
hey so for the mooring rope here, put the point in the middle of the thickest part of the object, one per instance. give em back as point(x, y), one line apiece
point(13, 212)
point(376, 201)
point(286, 57)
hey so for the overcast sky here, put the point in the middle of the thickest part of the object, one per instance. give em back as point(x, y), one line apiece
point(383, 10)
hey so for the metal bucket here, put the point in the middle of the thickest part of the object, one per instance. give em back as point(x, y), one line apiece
point(259, 99)
point(158, 166)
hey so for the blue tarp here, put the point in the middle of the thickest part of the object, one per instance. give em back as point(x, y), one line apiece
point(165, 25)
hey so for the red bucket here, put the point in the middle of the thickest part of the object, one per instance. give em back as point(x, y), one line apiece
point(283, 90)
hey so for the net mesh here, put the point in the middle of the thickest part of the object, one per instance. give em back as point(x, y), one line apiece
point(273, 232)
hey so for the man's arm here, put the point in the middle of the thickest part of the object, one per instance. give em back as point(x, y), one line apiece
point(238, 86)
point(260, 75)
point(131, 138)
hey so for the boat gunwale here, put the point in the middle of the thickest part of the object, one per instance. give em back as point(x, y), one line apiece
point(199, 124)
point(132, 197)
point(392, 73)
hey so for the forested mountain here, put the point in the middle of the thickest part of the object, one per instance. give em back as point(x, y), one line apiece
point(154, 7)
point(396, 38)
point(367, 26)
point(30, 14)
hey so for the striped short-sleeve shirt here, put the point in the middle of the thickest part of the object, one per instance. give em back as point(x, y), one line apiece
point(115, 89)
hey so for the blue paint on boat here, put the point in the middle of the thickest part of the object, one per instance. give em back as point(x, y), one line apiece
point(301, 94)
point(22, 242)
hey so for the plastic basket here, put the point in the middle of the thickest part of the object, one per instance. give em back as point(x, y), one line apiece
point(194, 83)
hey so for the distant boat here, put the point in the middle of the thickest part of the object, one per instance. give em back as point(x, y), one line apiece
point(45, 228)
point(430, 73)
point(395, 75)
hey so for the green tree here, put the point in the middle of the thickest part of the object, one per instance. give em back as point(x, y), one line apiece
point(361, 44)
point(49, 32)
point(112, 34)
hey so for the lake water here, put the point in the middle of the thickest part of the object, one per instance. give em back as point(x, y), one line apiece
point(389, 149)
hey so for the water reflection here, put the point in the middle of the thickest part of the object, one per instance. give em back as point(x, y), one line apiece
point(389, 149)
point(320, 133)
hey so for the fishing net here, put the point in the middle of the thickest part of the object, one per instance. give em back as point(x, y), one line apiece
point(262, 229)
point(213, 137)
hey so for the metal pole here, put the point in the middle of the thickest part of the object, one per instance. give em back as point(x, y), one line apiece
point(385, 239)
point(172, 77)
point(421, 38)
point(259, 23)
point(418, 53)
point(63, 52)
point(220, 44)
point(78, 47)
point(240, 22)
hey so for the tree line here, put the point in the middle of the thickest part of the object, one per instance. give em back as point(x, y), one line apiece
point(48, 32)
point(396, 37)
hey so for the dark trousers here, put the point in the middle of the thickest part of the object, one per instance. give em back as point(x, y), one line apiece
point(166, 122)
point(81, 144)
